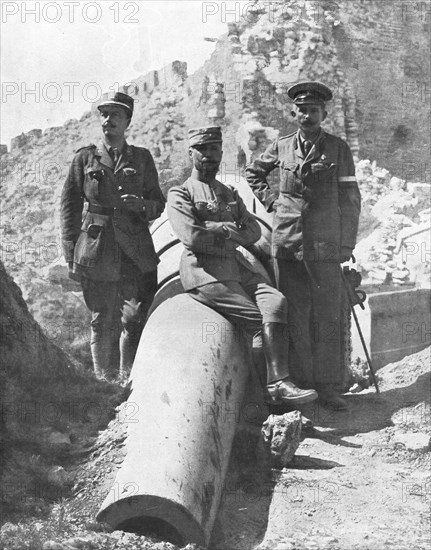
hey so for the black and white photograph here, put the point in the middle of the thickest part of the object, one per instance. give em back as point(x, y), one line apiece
point(215, 222)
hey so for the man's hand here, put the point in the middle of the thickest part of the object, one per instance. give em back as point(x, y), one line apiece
point(214, 227)
point(345, 254)
point(133, 203)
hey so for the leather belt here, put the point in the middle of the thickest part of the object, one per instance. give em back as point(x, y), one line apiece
point(105, 211)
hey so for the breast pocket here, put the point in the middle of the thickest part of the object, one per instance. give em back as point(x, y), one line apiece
point(290, 182)
point(93, 180)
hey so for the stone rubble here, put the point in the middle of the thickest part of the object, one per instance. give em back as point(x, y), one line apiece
point(389, 210)
point(281, 436)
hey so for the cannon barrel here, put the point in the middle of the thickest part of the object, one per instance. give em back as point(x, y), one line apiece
point(187, 384)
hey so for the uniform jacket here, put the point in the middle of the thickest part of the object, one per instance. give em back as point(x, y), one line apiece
point(210, 257)
point(318, 205)
point(93, 241)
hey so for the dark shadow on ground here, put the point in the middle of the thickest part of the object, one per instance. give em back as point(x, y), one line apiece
point(302, 462)
point(365, 412)
point(368, 412)
point(332, 439)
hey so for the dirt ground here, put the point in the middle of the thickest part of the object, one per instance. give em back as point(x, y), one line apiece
point(359, 480)
point(352, 485)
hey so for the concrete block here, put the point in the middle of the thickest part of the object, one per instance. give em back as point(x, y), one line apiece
point(394, 324)
point(414, 441)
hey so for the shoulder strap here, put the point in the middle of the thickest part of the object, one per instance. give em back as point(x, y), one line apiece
point(91, 146)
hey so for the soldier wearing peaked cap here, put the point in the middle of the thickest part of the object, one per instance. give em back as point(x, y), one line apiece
point(309, 93)
point(212, 221)
point(316, 214)
point(109, 197)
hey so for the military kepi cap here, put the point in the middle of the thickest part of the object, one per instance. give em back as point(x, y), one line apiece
point(200, 136)
point(310, 93)
point(117, 98)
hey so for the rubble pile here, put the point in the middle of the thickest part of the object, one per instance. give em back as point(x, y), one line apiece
point(389, 207)
point(376, 258)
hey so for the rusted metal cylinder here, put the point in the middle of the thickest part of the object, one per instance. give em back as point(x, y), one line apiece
point(187, 385)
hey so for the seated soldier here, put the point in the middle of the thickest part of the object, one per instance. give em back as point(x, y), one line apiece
point(211, 220)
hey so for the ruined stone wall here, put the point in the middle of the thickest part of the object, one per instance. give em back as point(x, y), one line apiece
point(276, 45)
point(374, 54)
point(383, 47)
point(165, 78)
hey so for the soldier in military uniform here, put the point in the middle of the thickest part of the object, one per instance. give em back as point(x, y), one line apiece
point(316, 215)
point(211, 221)
point(108, 245)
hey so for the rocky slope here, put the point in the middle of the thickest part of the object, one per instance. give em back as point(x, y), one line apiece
point(49, 404)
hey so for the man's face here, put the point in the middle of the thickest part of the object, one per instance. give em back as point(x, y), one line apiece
point(114, 120)
point(309, 117)
point(206, 158)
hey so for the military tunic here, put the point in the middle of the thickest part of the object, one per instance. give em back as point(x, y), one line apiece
point(110, 247)
point(211, 269)
point(94, 242)
point(316, 214)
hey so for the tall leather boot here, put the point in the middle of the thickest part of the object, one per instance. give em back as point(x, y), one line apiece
point(279, 386)
point(128, 347)
point(130, 335)
point(101, 345)
point(259, 362)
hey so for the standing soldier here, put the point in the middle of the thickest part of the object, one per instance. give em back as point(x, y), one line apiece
point(211, 221)
point(108, 245)
point(315, 227)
